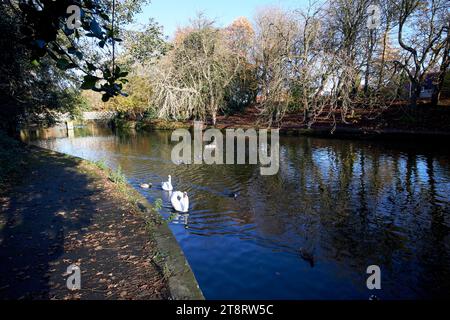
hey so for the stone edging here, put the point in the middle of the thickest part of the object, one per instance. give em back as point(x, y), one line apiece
point(181, 280)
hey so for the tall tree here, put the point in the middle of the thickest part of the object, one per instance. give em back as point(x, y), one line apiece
point(242, 90)
point(191, 81)
point(422, 24)
point(30, 90)
point(347, 21)
point(275, 34)
point(443, 70)
point(46, 32)
point(388, 11)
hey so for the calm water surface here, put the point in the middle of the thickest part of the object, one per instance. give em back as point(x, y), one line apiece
point(310, 232)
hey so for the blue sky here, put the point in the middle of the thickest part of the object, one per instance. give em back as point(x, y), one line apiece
point(173, 13)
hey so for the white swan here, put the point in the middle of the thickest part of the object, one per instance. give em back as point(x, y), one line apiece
point(167, 186)
point(146, 185)
point(180, 201)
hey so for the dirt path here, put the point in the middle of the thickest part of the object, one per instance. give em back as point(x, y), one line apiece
point(66, 211)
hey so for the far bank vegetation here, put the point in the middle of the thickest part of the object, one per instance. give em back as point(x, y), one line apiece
point(321, 61)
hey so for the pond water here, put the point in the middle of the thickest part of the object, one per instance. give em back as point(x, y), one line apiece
point(310, 232)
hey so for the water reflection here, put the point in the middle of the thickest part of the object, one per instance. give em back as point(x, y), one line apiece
point(180, 219)
point(309, 232)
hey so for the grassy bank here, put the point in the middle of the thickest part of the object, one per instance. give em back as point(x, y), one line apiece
point(169, 258)
point(150, 124)
point(399, 121)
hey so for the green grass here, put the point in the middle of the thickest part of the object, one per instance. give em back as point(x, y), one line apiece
point(119, 179)
point(159, 124)
point(102, 165)
point(158, 204)
point(117, 176)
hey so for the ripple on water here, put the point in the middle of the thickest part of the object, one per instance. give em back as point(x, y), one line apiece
point(342, 205)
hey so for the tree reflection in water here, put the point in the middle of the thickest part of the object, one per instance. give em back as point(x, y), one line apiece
point(335, 208)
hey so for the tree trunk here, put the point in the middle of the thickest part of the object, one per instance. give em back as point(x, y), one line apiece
point(307, 113)
point(442, 73)
point(383, 55)
point(214, 118)
point(368, 63)
point(416, 89)
point(436, 98)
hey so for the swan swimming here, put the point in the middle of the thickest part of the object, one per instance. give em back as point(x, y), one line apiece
point(180, 201)
point(146, 185)
point(167, 186)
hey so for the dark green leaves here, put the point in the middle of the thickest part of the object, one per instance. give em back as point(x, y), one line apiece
point(40, 43)
point(96, 29)
point(74, 51)
point(46, 33)
point(89, 82)
point(64, 64)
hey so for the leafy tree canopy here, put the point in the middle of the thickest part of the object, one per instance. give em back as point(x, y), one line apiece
point(46, 33)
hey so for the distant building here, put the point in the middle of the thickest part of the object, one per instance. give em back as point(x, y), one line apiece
point(429, 85)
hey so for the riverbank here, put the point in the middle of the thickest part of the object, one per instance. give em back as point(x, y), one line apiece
point(57, 210)
point(399, 121)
